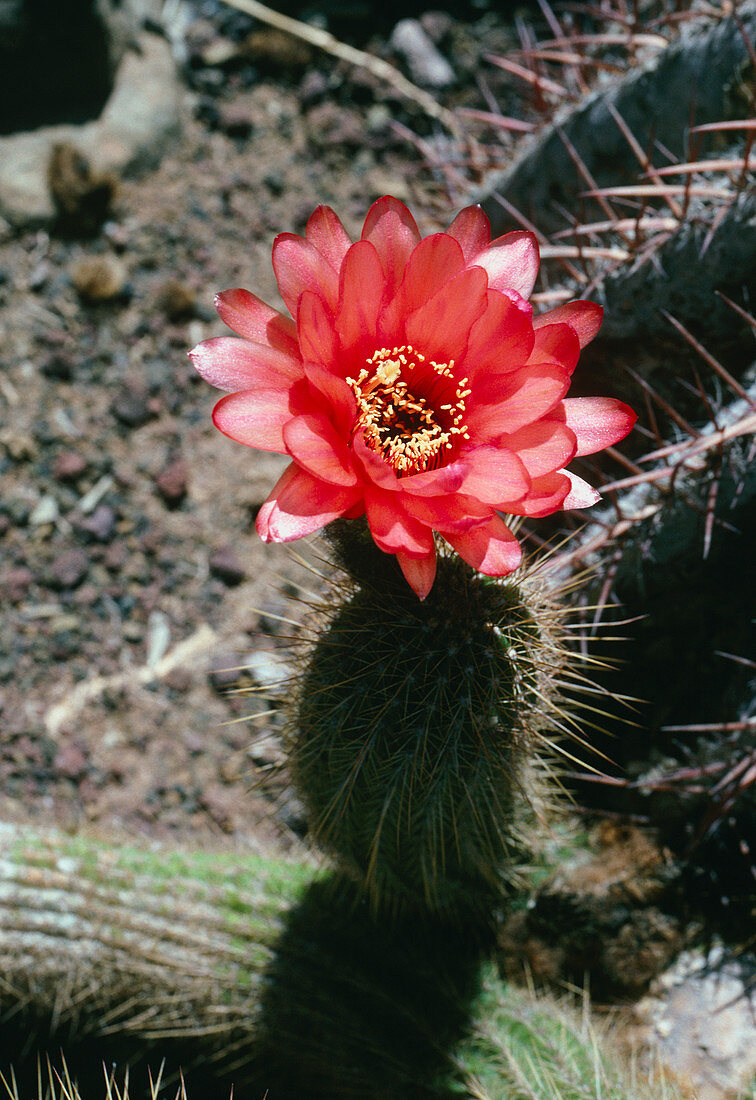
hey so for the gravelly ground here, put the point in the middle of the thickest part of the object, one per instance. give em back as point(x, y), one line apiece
point(126, 520)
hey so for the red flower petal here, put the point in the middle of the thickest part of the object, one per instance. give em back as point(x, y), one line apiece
point(494, 474)
point(451, 512)
point(317, 338)
point(331, 395)
point(230, 363)
point(581, 494)
point(514, 400)
point(472, 230)
point(546, 495)
point(583, 317)
point(255, 417)
point(436, 259)
point(500, 340)
point(301, 504)
point(597, 422)
point(556, 344)
point(390, 227)
point(542, 447)
point(299, 266)
point(253, 319)
point(314, 443)
point(511, 262)
point(361, 293)
point(419, 573)
point(325, 231)
point(491, 548)
point(441, 326)
point(392, 528)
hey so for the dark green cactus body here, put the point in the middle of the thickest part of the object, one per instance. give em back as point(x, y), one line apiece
point(411, 729)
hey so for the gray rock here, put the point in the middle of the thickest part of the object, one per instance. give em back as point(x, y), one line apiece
point(224, 671)
point(225, 565)
point(130, 407)
point(426, 64)
point(140, 122)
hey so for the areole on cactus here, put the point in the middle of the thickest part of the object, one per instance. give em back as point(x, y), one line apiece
point(413, 385)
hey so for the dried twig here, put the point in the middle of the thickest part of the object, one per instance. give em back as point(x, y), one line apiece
point(323, 40)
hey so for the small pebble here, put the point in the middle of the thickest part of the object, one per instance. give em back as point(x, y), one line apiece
point(172, 482)
point(426, 65)
point(70, 761)
point(224, 671)
point(177, 300)
point(235, 120)
point(99, 278)
point(100, 525)
point(225, 565)
point(130, 406)
point(68, 569)
point(15, 583)
point(68, 466)
point(46, 511)
point(116, 556)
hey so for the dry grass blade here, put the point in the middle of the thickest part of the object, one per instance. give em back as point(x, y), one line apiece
point(629, 40)
point(562, 57)
point(325, 41)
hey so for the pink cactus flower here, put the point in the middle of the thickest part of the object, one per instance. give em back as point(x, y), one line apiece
point(414, 386)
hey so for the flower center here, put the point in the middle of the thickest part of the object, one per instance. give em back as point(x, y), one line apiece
point(409, 408)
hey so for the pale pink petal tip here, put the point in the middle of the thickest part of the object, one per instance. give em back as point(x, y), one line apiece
point(598, 422)
point(581, 494)
point(511, 262)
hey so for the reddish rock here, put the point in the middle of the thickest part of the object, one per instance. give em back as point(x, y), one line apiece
point(68, 569)
point(15, 583)
point(116, 556)
point(70, 761)
point(172, 482)
point(68, 466)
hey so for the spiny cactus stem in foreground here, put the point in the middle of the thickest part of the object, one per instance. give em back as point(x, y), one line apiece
point(416, 729)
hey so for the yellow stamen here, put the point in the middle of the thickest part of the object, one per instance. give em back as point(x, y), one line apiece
point(397, 413)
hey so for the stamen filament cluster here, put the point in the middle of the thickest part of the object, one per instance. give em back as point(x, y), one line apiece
point(398, 409)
